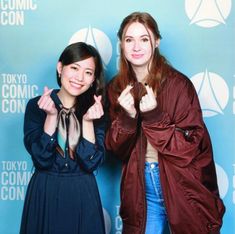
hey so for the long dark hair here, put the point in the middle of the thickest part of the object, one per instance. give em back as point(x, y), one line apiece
point(126, 75)
point(77, 52)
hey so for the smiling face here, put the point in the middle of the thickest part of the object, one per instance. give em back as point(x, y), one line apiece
point(76, 78)
point(138, 45)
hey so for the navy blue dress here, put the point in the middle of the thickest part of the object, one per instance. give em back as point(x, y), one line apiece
point(62, 195)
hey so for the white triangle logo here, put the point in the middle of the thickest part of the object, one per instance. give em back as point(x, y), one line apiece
point(208, 13)
point(213, 93)
point(96, 38)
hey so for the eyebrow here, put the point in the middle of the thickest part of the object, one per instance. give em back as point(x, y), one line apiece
point(144, 35)
point(87, 68)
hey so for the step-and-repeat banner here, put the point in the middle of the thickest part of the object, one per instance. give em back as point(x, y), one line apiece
point(198, 39)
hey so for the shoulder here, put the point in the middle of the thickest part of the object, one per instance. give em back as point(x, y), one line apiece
point(177, 76)
point(179, 86)
point(178, 80)
point(32, 108)
point(33, 103)
point(34, 100)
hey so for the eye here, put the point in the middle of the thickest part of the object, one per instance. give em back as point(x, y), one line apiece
point(145, 39)
point(89, 73)
point(128, 40)
point(75, 68)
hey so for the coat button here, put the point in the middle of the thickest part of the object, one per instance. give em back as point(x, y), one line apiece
point(210, 225)
point(66, 164)
point(186, 133)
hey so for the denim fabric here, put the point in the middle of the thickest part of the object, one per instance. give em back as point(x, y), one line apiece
point(156, 213)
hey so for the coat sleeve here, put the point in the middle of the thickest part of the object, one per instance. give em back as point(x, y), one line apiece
point(39, 144)
point(177, 138)
point(90, 155)
point(121, 135)
point(121, 132)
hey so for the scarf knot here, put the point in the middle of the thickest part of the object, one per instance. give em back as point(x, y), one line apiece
point(68, 132)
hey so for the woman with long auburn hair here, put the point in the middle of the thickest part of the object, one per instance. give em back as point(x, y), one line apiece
point(157, 130)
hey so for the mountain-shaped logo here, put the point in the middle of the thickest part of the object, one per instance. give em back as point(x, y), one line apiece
point(208, 13)
point(212, 91)
point(96, 38)
point(223, 181)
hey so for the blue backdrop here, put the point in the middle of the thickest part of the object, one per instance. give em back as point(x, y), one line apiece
point(198, 39)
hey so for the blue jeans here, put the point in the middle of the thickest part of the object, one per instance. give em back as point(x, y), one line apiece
point(156, 212)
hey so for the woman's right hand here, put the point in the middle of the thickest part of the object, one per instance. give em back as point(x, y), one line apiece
point(46, 103)
point(127, 102)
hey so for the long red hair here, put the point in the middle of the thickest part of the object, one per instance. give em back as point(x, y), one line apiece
point(126, 75)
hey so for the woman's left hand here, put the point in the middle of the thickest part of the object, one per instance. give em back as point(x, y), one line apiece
point(148, 102)
point(95, 111)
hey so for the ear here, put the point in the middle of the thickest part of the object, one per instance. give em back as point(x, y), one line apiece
point(157, 42)
point(59, 67)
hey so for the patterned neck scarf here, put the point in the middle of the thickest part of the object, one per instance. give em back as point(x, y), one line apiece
point(68, 132)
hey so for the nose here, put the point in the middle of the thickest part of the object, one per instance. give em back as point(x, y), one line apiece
point(136, 46)
point(80, 75)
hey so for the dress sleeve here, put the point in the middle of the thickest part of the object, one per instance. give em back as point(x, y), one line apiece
point(177, 138)
point(39, 144)
point(90, 155)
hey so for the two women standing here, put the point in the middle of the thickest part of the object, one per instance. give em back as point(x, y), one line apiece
point(156, 128)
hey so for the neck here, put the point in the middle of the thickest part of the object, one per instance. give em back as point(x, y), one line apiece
point(66, 100)
point(141, 73)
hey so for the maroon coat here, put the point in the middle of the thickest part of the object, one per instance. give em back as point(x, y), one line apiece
point(187, 171)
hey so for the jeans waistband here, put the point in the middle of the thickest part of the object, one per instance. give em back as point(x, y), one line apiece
point(151, 166)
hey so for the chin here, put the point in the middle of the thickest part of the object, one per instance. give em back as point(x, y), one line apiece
point(77, 93)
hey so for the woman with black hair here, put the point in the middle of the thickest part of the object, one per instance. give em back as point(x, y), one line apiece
point(64, 134)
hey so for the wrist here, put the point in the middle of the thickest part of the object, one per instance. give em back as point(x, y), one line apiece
point(132, 115)
point(87, 121)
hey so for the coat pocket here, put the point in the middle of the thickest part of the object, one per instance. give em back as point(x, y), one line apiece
point(207, 206)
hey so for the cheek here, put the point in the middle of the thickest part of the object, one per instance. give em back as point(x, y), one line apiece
point(63, 80)
point(90, 80)
point(127, 48)
point(127, 53)
point(151, 49)
point(148, 51)
point(66, 75)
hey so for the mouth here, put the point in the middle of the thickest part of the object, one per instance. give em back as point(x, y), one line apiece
point(76, 85)
point(137, 56)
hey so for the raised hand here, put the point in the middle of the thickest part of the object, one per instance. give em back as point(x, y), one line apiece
point(95, 111)
point(126, 101)
point(148, 102)
point(46, 103)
